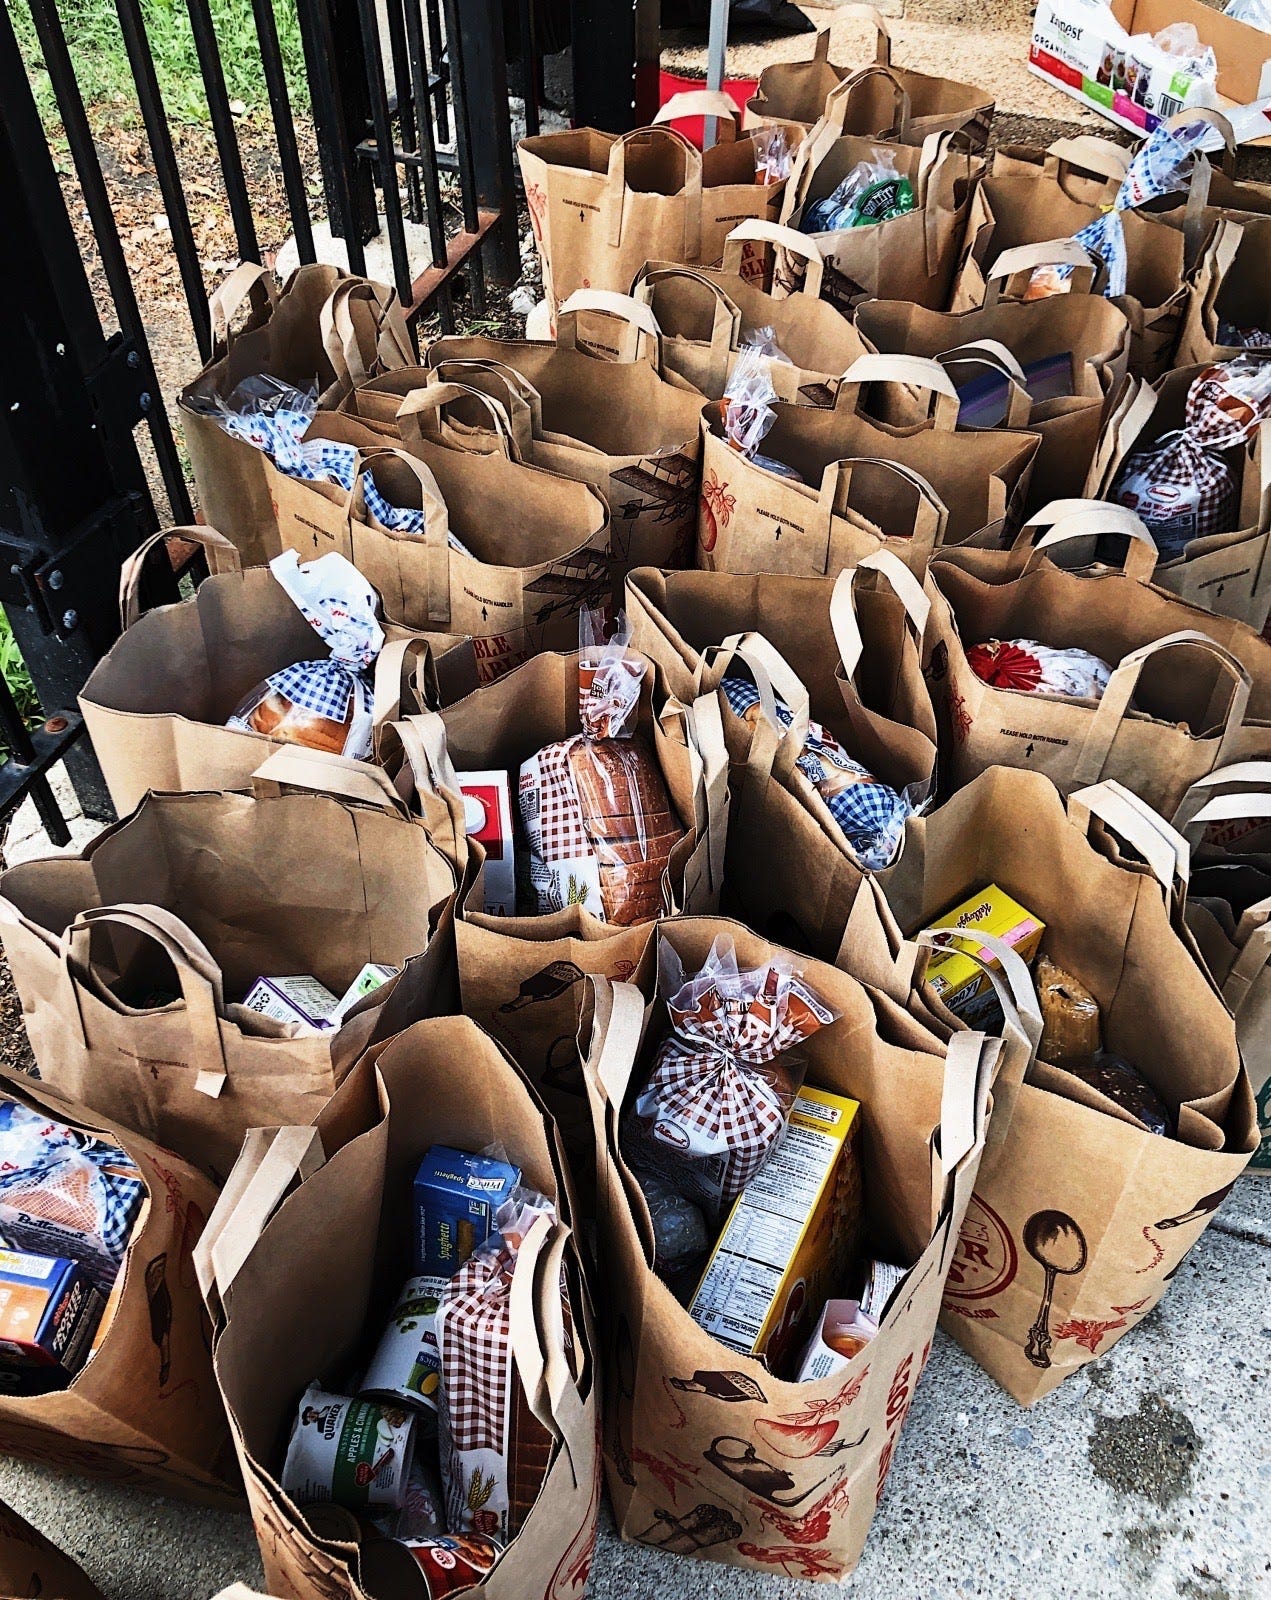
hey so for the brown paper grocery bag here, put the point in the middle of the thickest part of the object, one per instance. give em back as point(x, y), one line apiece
point(521, 977)
point(706, 314)
point(1224, 819)
point(862, 484)
point(797, 91)
point(1081, 1217)
point(321, 332)
point(503, 724)
point(852, 650)
point(182, 907)
point(601, 205)
point(315, 1278)
point(1228, 573)
point(1189, 691)
point(707, 1452)
point(1091, 332)
point(31, 1565)
point(1033, 197)
point(1024, 217)
point(156, 704)
point(909, 257)
point(629, 429)
point(143, 1411)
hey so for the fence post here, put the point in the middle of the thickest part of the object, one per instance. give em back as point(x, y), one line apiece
point(479, 84)
point(73, 494)
point(331, 32)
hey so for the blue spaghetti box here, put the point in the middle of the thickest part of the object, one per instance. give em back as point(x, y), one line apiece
point(457, 1197)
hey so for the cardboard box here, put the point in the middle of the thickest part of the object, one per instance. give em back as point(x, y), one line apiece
point(457, 1196)
point(841, 1334)
point(373, 976)
point(962, 985)
point(487, 812)
point(49, 1312)
point(1083, 47)
point(789, 1239)
point(301, 999)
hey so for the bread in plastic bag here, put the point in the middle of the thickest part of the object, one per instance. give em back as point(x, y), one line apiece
point(871, 815)
point(326, 705)
point(1034, 668)
point(597, 814)
point(1182, 486)
point(724, 1080)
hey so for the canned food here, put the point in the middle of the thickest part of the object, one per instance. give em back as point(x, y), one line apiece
point(406, 1365)
point(427, 1569)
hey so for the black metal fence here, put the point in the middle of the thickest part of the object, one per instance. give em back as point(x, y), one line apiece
point(411, 124)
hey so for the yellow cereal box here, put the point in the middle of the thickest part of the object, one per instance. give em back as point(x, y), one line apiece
point(962, 985)
point(790, 1238)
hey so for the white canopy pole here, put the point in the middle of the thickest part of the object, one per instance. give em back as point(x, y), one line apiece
point(716, 52)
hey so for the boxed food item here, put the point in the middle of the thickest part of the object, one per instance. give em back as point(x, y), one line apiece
point(487, 815)
point(300, 999)
point(790, 1238)
point(49, 1312)
point(457, 1198)
point(1113, 59)
point(355, 1452)
point(374, 975)
point(66, 1194)
point(842, 1333)
point(962, 985)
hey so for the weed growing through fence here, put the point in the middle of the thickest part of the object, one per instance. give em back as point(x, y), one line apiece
point(105, 78)
point(13, 670)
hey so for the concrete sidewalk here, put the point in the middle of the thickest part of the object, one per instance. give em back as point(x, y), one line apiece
point(1147, 1475)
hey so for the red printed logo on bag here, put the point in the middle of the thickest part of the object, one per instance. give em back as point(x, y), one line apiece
point(985, 1261)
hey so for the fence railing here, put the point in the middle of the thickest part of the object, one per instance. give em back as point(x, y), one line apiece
point(409, 103)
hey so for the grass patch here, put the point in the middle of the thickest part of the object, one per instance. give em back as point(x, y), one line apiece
point(105, 77)
point(13, 670)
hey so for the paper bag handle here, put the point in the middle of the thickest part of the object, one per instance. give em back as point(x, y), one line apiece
point(758, 230)
point(843, 620)
point(1085, 520)
point(423, 740)
point(269, 1162)
point(1026, 258)
point(704, 725)
point(619, 1013)
point(425, 404)
point(1161, 846)
point(637, 314)
point(1014, 982)
point(770, 743)
point(882, 32)
point(1222, 780)
point(334, 777)
point(701, 103)
point(1111, 711)
point(838, 101)
point(616, 185)
point(537, 1333)
point(915, 372)
point(1088, 154)
point(351, 363)
point(248, 279)
point(197, 973)
point(221, 555)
